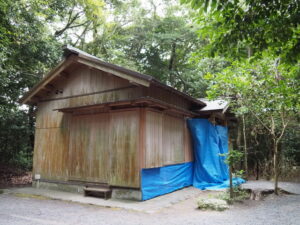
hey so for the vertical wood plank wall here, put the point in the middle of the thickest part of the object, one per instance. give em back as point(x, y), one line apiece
point(88, 153)
point(105, 147)
point(167, 140)
point(52, 158)
point(124, 166)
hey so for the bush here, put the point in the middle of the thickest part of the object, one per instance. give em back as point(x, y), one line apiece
point(22, 160)
point(238, 195)
point(212, 204)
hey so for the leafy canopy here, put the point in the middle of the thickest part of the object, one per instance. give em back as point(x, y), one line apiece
point(233, 25)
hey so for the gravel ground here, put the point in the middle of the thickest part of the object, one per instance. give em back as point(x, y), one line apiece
point(17, 210)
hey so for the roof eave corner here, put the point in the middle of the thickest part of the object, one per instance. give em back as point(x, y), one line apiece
point(68, 60)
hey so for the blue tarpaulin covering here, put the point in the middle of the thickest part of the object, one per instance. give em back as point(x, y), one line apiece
point(163, 180)
point(209, 141)
point(208, 171)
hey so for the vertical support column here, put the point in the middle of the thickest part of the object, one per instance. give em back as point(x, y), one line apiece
point(142, 137)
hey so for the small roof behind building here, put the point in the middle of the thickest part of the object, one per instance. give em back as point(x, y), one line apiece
point(219, 105)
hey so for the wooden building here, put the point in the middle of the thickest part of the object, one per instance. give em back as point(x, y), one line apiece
point(98, 124)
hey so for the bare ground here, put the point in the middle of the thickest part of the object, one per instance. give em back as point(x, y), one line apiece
point(18, 209)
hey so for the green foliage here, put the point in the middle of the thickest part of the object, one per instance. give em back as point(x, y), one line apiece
point(15, 140)
point(239, 195)
point(291, 144)
point(212, 204)
point(233, 157)
point(267, 91)
point(233, 26)
point(27, 51)
point(161, 46)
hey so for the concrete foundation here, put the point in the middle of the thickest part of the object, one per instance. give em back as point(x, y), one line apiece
point(117, 193)
point(58, 186)
point(129, 194)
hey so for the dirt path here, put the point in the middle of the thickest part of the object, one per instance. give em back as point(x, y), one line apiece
point(30, 211)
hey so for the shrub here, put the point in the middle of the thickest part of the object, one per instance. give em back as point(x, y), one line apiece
point(212, 204)
point(238, 195)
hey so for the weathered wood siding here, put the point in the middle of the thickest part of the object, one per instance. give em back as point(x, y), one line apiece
point(167, 140)
point(109, 147)
point(103, 148)
point(51, 153)
point(57, 158)
point(124, 141)
point(168, 97)
point(89, 152)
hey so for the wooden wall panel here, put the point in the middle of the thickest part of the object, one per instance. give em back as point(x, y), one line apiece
point(154, 136)
point(173, 140)
point(48, 118)
point(50, 153)
point(167, 140)
point(124, 142)
point(89, 148)
point(105, 147)
point(168, 97)
point(188, 145)
point(84, 80)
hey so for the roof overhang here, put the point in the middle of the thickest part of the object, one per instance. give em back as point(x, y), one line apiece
point(76, 56)
point(138, 102)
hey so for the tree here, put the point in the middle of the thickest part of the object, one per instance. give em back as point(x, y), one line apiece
point(240, 26)
point(267, 91)
point(161, 45)
point(27, 51)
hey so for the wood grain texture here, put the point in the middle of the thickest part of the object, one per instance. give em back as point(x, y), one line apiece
point(105, 147)
point(89, 148)
point(167, 140)
point(154, 138)
point(124, 143)
point(173, 140)
point(50, 154)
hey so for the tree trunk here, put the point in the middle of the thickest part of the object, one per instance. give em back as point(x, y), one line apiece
point(230, 181)
point(171, 63)
point(245, 148)
point(230, 168)
point(276, 167)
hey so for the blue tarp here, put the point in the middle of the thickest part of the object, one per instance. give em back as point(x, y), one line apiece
point(208, 171)
point(209, 141)
point(163, 180)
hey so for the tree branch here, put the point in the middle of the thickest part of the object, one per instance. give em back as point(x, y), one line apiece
point(69, 23)
point(262, 123)
point(284, 126)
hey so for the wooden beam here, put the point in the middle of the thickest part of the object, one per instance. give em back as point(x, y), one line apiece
point(142, 137)
point(48, 78)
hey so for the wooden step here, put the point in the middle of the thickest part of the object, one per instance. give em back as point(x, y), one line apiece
point(102, 192)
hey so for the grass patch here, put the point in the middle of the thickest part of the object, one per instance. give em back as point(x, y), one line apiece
point(1, 191)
